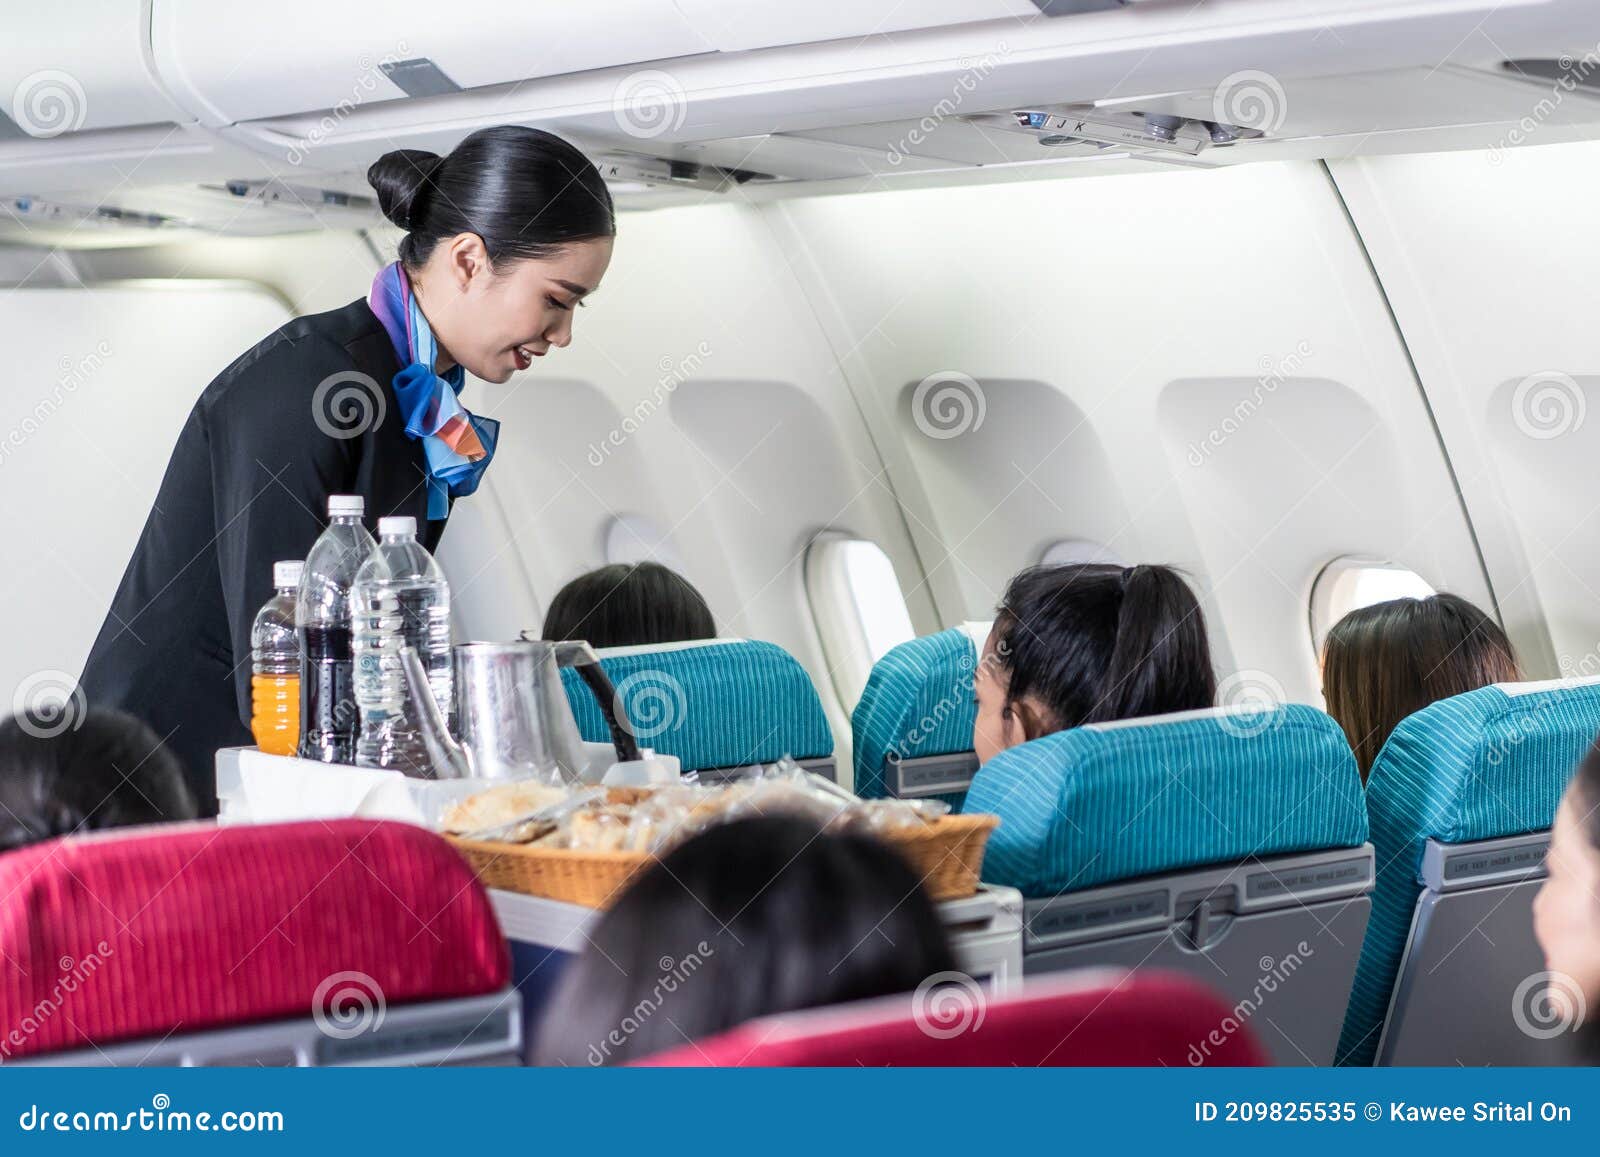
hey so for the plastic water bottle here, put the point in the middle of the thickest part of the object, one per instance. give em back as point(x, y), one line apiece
point(275, 666)
point(329, 718)
point(401, 598)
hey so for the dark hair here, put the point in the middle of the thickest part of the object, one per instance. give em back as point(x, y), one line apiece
point(63, 773)
point(625, 605)
point(525, 192)
point(1384, 662)
point(750, 918)
point(1093, 643)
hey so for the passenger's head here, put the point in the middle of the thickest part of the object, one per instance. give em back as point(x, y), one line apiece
point(1566, 912)
point(68, 773)
point(504, 238)
point(1089, 644)
point(748, 919)
point(625, 605)
point(1384, 662)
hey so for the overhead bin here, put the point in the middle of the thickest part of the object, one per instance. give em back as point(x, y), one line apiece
point(229, 62)
point(736, 25)
point(78, 67)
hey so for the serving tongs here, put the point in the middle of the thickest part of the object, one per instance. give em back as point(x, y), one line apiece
point(543, 820)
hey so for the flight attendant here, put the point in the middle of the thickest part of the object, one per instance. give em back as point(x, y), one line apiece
point(505, 237)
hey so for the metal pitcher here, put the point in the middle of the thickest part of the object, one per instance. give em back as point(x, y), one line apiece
point(513, 720)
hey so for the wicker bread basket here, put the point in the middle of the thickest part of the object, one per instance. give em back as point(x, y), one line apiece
point(947, 854)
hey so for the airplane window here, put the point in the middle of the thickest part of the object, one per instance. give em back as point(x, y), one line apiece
point(1079, 550)
point(633, 538)
point(858, 607)
point(1348, 584)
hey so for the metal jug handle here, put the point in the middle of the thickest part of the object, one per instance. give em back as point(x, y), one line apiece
point(581, 657)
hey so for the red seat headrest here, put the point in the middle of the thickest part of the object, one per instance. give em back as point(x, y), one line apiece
point(1098, 1018)
point(144, 932)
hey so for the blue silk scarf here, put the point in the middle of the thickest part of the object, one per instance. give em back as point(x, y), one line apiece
point(457, 444)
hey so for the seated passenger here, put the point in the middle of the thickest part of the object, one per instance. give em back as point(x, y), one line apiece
point(750, 918)
point(1384, 662)
point(108, 771)
point(1088, 643)
point(1566, 912)
point(629, 605)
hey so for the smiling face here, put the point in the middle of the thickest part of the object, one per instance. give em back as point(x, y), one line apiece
point(1566, 912)
point(494, 322)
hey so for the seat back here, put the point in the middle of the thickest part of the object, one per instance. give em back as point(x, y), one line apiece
point(348, 941)
point(1102, 1017)
point(1478, 776)
point(912, 727)
point(1227, 843)
point(719, 705)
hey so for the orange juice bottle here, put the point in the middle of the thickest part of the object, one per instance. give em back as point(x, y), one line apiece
point(275, 658)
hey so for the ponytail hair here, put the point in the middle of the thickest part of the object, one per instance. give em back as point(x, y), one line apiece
point(1095, 643)
point(525, 192)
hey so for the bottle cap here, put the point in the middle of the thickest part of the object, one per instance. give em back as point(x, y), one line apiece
point(287, 573)
point(397, 524)
point(346, 504)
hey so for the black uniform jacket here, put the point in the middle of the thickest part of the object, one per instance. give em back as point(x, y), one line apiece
point(307, 413)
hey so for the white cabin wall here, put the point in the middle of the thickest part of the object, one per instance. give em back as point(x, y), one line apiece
point(1112, 324)
point(1488, 259)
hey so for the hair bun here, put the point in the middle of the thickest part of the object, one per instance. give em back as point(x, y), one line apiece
point(398, 178)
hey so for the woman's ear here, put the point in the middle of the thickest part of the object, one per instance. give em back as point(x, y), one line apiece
point(1033, 717)
point(468, 259)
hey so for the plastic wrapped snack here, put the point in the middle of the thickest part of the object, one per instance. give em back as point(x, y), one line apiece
point(499, 805)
